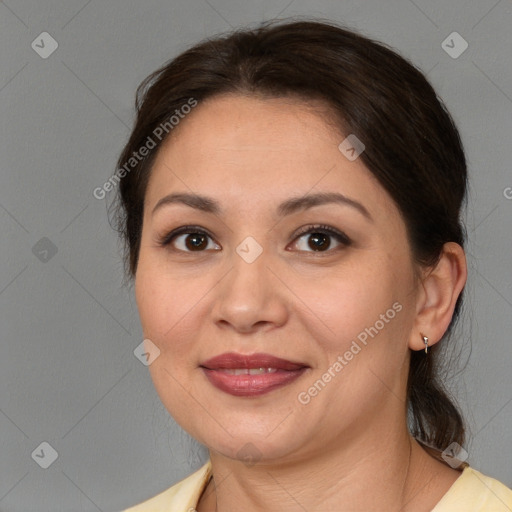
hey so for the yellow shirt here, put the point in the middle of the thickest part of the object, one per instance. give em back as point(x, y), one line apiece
point(471, 492)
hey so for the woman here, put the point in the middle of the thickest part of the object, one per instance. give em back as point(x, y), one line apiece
point(290, 197)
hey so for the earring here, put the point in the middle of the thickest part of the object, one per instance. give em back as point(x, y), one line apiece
point(425, 340)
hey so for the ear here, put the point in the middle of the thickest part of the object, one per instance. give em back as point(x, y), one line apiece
point(439, 289)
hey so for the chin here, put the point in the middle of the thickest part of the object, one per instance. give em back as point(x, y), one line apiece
point(254, 448)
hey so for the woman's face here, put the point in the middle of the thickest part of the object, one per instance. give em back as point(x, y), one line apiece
point(273, 262)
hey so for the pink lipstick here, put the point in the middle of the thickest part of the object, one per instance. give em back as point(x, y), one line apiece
point(250, 375)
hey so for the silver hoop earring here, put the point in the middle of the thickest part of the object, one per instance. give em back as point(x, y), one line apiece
point(425, 340)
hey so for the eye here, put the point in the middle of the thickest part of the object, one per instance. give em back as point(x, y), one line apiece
point(309, 239)
point(320, 239)
point(189, 239)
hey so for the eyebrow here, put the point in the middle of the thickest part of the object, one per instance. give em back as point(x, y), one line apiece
point(292, 205)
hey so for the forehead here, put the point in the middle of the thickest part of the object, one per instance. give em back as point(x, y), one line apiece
point(245, 124)
point(246, 148)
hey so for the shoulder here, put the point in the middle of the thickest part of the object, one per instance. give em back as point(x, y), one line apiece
point(182, 496)
point(476, 492)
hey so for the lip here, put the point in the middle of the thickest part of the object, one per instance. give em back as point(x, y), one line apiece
point(217, 370)
point(232, 360)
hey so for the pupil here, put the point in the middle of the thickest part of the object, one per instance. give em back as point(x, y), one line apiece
point(319, 241)
point(196, 241)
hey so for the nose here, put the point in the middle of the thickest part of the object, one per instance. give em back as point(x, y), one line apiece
point(250, 298)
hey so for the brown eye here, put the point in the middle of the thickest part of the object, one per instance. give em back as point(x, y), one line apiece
point(193, 242)
point(196, 242)
point(321, 239)
point(189, 239)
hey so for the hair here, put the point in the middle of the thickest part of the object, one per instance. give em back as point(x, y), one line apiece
point(412, 147)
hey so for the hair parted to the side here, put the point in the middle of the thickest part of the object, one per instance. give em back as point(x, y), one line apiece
point(412, 147)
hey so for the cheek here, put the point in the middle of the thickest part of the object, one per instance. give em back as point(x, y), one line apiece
point(159, 306)
point(170, 306)
point(151, 299)
point(350, 299)
point(168, 313)
point(365, 321)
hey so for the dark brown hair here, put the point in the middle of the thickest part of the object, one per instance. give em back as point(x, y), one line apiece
point(412, 147)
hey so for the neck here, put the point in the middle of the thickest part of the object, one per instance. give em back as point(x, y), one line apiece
point(382, 473)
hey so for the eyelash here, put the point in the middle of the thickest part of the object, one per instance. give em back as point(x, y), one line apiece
point(339, 236)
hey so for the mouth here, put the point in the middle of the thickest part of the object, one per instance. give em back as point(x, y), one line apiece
point(250, 375)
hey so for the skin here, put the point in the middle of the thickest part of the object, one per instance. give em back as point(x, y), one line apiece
point(250, 154)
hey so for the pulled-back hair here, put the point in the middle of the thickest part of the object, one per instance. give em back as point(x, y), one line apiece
point(412, 147)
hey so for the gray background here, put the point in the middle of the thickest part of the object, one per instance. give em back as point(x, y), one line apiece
point(68, 374)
